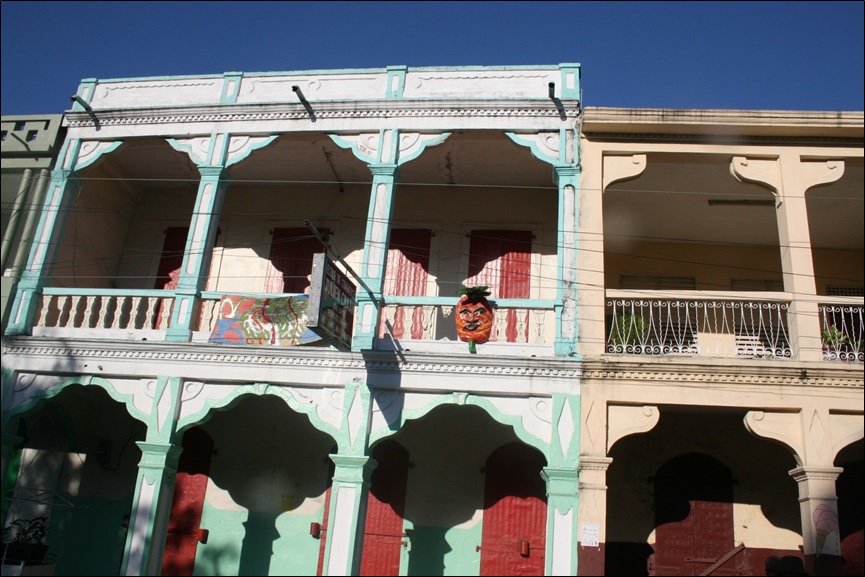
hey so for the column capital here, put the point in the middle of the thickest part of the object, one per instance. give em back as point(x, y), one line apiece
point(561, 481)
point(802, 474)
point(352, 469)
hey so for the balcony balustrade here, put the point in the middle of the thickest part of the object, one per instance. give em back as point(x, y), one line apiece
point(639, 322)
point(103, 313)
point(691, 323)
point(841, 325)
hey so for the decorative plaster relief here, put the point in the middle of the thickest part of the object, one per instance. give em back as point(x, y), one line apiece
point(786, 428)
point(619, 168)
point(542, 408)
point(159, 93)
point(565, 428)
point(846, 429)
point(197, 148)
point(136, 118)
point(163, 405)
point(821, 172)
point(527, 411)
point(211, 396)
point(817, 431)
point(624, 420)
point(324, 87)
point(191, 389)
point(757, 170)
point(595, 429)
point(240, 147)
point(490, 84)
point(91, 150)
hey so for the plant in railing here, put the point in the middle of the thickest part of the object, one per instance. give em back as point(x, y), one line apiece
point(629, 333)
point(474, 316)
point(833, 342)
point(23, 540)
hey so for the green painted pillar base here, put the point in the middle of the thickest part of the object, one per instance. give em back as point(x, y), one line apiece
point(347, 514)
point(148, 523)
point(562, 507)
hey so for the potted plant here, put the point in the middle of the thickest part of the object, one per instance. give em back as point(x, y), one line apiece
point(629, 332)
point(24, 541)
point(833, 341)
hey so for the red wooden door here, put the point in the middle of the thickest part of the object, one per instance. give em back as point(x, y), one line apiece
point(322, 535)
point(515, 513)
point(693, 517)
point(184, 524)
point(291, 252)
point(170, 263)
point(406, 275)
point(383, 534)
point(384, 538)
point(501, 260)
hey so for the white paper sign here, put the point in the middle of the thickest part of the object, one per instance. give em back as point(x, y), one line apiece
point(589, 535)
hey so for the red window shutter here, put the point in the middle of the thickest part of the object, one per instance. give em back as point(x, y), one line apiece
point(291, 251)
point(501, 260)
point(406, 275)
point(171, 261)
point(407, 262)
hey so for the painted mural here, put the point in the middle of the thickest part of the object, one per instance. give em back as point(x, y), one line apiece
point(268, 322)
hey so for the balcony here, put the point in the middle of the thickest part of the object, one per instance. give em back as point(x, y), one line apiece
point(693, 324)
point(420, 324)
point(841, 325)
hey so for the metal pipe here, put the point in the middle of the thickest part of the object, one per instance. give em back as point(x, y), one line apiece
point(12, 227)
point(23, 253)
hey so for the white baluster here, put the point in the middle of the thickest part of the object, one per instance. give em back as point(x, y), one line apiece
point(104, 303)
point(522, 320)
point(429, 315)
point(206, 319)
point(149, 310)
point(133, 314)
point(90, 313)
point(166, 312)
point(119, 303)
point(46, 306)
point(539, 326)
point(62, 300)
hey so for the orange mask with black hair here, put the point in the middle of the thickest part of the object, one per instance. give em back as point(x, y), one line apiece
point(474, 316)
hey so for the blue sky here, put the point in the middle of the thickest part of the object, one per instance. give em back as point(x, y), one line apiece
point(741, 55)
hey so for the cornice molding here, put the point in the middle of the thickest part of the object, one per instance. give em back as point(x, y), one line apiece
point(300, 357)
point(743, 139)
point(376, 109)
point(786, 373)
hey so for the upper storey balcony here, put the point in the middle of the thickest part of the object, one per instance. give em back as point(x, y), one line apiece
point(729, 244)
point(420, 181)
point(475, 210)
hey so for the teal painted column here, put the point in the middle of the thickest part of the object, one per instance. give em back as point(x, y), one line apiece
point(154, 488)
point(73, 156)
point(351, 479)
point(61, 190)
point(566, 308)
point(562, 479)
point(384, 178)
point(199, 249)
point(560, 149)
point(384, 152)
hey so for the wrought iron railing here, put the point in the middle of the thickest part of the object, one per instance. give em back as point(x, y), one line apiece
point(642, 324)
point(841, 327)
